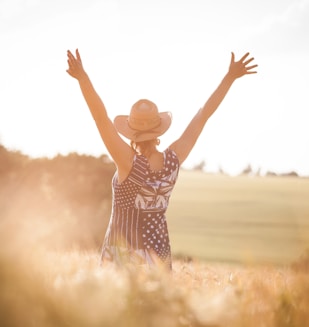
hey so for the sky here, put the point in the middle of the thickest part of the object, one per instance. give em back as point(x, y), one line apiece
point(174, 53)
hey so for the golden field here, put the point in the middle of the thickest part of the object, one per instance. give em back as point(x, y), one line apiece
point(244, 219)
point(240, 248)
point(40, 288)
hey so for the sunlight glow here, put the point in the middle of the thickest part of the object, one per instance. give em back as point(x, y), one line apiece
point(176, 63)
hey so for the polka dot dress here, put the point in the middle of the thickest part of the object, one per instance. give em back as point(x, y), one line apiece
point(138, 231)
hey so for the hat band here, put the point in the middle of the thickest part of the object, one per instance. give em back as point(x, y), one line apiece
point(143, 125)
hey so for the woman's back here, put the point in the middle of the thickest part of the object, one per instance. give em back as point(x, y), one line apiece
point(138, 228)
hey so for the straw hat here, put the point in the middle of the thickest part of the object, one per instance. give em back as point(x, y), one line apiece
point(144, 123)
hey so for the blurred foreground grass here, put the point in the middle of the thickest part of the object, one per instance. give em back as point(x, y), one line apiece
point(50, 289)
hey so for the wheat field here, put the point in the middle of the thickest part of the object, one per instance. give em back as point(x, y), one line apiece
point(71, 289)
point(244, 219)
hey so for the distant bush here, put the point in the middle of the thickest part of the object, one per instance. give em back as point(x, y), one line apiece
point(69, 197)
point(11, 160)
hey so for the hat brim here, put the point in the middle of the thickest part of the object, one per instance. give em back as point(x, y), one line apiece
point(122, 126)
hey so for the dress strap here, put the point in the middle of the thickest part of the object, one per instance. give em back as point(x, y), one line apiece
point(139, 170)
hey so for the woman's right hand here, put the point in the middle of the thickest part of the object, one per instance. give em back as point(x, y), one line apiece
point(75, 69)
point(240, 68)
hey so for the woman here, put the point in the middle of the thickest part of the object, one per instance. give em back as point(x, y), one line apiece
point(145, 177)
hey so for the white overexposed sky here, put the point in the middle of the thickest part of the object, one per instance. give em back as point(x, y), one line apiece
point(174, 53)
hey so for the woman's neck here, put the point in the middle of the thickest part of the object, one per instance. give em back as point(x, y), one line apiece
point(149, 152)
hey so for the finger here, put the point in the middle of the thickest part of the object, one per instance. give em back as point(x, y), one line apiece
point(248, 61)
point(70, 60)
point(69, 63)
point(232, 57)
point(68, 71)
point(244, 57)
point(70, 55)
point(251, 67)
point(78, 55)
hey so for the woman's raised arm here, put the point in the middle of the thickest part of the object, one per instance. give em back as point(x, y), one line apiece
point(185, 143)
point(120, 151)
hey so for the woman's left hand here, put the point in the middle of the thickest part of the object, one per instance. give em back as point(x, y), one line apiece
point(75, 69)
point(240, 68)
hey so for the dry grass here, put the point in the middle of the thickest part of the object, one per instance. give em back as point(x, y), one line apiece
point(40, 288)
